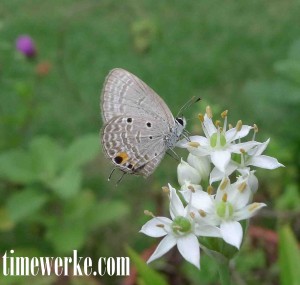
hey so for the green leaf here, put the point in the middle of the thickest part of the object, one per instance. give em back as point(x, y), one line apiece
point(106, 212)
point(6, 223)
point(16, 166)
point(289, 257)
point(67, 236)
point(46, 156)
point(67, 184)
point(21, 205)
point(148, 275)
point(81, 151)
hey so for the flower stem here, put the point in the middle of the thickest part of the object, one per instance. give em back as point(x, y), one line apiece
point(224, 271)
point(223, 265)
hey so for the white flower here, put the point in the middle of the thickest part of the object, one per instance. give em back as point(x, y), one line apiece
point(201, 163)
point(218, 143)
point(225, 209)
point(251, 179)
point(181, 230)
point(254, 157)
point(187, 173)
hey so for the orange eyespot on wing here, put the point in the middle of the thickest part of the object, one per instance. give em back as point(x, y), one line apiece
point(121, 158)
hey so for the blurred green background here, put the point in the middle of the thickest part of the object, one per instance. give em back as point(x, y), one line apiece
point(54, 196)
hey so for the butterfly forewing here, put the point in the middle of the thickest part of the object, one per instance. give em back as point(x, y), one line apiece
point(124, 93)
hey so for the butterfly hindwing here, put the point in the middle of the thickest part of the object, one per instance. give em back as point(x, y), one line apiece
point(134, 144)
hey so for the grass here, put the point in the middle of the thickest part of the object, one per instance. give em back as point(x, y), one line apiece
point(208, 48)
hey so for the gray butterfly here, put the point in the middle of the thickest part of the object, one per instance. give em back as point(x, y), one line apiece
point(138, 126)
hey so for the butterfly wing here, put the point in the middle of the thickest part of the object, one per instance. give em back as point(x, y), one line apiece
point(124, 93)
point(134, 144)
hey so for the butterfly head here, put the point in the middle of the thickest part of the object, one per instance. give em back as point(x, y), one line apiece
point(180, 125)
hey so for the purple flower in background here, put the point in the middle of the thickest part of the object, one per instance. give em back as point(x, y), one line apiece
point(26, 46)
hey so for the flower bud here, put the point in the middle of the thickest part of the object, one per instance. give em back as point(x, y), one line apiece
point(187, 173)
point(26, 46)
point(201, 163)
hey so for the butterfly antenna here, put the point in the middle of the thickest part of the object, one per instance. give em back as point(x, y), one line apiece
point(188, 104)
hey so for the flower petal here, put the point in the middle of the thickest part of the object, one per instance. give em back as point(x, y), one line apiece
point(176, 206)
point(217, 175)
point(259, 149)
point(202, 164)
point(208, 126)
point(188, 247)
point(248, 211)
point(264, 161)
point(199, 139)
point(199, 200)
point(187, 173)
point(246, 146)
point(220, 159)
point(239, 194)
point(164, 246)
point(207, 231)
point(151, 229)
point(232, 134)
point(232, 233)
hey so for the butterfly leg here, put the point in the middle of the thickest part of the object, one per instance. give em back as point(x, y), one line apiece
point(173, 154)
point(186, 135)
point(120, 179)
point(111, 173)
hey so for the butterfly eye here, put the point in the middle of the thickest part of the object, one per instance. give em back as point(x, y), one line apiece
point(149, 125)
point(180, 121)
point(129, 120)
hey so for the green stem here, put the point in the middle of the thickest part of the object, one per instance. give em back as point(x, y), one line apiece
point(224, 271)
point(223, 265)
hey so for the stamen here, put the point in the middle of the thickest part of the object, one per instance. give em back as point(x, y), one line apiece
point(253, 206)
point(224, 114)
point(201, 117)
point(242, 187)
point(165, 189)
point(239, 125)
point(202, 213)
point(242, 151)
point(230, 126)
point(190, 187)
point(176, 227)
point(160, 225)
point(224, 184)
point(194, 144)
point(255, 128)
point(209, 112)
point(148, 213)
point(192, 214)
point(210, 189)
point(224, 198)
point(217, 123)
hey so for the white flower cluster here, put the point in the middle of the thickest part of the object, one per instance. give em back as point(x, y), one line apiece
point(213, 159)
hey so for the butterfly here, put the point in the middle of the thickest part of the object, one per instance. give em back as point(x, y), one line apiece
point(139, 128)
